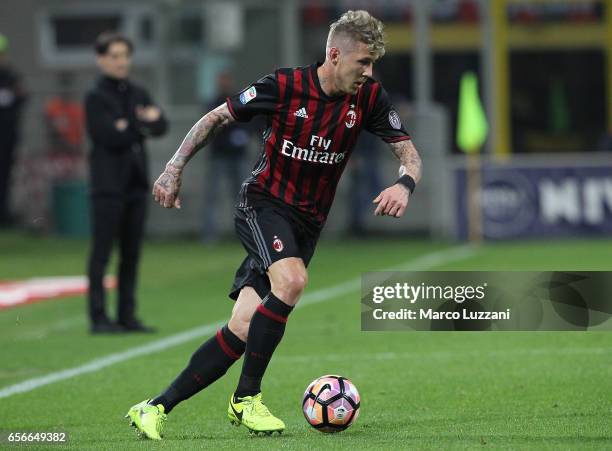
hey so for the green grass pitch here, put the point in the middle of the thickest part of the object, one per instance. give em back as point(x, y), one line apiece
point(515, 390)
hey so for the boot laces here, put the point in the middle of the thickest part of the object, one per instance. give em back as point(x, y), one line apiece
point(256, 405)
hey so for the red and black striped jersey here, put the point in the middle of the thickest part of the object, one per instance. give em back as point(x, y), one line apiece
point(310, 136)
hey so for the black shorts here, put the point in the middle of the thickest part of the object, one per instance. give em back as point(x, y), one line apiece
point(269, 232)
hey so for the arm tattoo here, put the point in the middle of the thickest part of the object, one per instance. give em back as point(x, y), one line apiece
point(409, 158)
point(199, 135)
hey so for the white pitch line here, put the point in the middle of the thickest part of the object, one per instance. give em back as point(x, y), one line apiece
point(420, 263)
point(111, 359)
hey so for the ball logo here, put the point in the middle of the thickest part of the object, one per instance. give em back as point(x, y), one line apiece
point(277, 244)
point(394, 120)
point(340, 412)
point(351, 117)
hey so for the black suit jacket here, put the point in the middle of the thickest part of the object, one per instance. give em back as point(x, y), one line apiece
point(118, 160)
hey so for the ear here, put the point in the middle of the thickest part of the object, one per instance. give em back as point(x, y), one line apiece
point(333, 54)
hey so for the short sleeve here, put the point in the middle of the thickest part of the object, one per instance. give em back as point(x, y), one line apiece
point(259, 98)
point(384, 121)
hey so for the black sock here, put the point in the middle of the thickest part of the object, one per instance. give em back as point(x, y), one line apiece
point(207, 364)
point(265, 332)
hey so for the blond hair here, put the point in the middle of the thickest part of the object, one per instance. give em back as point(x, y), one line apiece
point(359, 26)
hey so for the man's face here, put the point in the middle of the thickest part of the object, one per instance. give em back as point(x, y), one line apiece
point(353, 68)
point(116, 61)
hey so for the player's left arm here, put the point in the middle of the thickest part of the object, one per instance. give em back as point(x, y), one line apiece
point(393, 201)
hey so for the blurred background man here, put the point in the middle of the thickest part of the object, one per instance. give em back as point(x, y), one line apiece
point(120, 115)
point(12, 98)
point(365, 181)
point(225, 163)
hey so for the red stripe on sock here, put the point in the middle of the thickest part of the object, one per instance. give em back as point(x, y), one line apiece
point(225, 346)
point(270, 314)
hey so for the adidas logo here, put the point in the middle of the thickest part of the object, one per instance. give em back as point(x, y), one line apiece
point(301, 113)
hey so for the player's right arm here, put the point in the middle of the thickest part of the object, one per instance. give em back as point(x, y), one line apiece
point(259, 98)
point(166, 188)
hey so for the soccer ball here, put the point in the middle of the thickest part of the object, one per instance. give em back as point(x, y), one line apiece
point(331, 403)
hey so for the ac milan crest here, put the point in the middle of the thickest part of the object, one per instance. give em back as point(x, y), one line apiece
point(277, 244)
point(351, 117)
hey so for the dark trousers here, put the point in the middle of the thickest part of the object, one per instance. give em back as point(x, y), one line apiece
point(113, 219)
point(7, 158)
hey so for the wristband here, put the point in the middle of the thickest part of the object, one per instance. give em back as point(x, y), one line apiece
point(408, 182)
